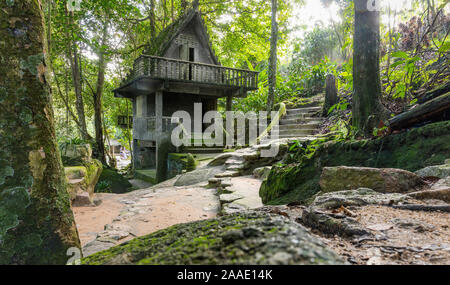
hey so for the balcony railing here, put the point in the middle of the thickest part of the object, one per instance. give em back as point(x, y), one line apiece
point(160, 68)
point(145, 127)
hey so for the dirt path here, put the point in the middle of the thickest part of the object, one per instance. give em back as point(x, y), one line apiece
point(399, 237)
point(120, 218)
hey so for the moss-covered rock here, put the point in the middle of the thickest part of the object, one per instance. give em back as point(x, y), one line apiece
point(383, 180)
point(412, 150)
point(440, 171)
point(112, 182)
point(359, 197)
point(245, 238)
point(177, 162)
point(83, 178)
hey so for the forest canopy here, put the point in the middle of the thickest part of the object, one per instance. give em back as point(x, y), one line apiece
point(93, 48)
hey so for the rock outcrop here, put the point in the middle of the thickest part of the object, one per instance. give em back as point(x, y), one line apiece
point(383, 180)
point(245, 238)
point(82, 180)
point(359, 197)
point(439, 171)
point(412, 150)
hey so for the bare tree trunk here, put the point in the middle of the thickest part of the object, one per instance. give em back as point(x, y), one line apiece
point(367, 109)
point(98, 97)
point(76, 77)
point(273, 58)
point(37, 224)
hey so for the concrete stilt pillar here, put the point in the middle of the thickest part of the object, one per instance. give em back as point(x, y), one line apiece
point(229, 103)
point(163, 143)
point(158, 112)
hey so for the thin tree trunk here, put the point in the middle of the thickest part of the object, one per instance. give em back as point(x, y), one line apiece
point(98, 98)
point(164, 14)
point(37, 224)
point(76, 77)
point(152, 20)
point(367, 108)
point(273, 58)
point(172, 11)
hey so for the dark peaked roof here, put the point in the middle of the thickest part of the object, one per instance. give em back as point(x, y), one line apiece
point(162, 42)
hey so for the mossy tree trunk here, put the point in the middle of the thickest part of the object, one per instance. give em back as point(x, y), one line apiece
point(273, 58)
point(367, 109)
point(36, 221)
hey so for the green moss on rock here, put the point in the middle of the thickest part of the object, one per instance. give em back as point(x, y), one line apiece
point(245, 238)
point(412, 150)
point(117, 183)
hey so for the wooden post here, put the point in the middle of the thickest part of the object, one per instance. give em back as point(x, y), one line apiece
point(331, 96)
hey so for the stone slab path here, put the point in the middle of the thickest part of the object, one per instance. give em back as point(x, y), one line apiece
point(248, 187)
point(120, 218)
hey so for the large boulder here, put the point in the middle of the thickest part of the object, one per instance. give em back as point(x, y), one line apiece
point(83, 179)
point(383, 180)
point(359, 197)
point(439, 171)
point(412, 150)
point(244, 238)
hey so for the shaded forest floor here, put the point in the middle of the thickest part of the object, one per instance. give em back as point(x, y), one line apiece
point(400, 237)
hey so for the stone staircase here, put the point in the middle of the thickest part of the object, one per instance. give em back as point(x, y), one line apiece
point(301, 122)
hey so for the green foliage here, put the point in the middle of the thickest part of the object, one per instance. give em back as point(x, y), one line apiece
point(318, 44)
point(191, 163)
point(103, 187)
point(341, 106)
point(309, 80)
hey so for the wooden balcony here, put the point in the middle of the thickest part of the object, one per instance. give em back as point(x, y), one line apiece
point(173, 70)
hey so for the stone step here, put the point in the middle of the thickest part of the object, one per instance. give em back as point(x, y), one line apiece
point(310, 104)
point(301, 122)
point(298, 127)
point(303, 110)
point(203, 150)
point(299, 116)
point(295, 136)
point(308, 120)
point(304, 132)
